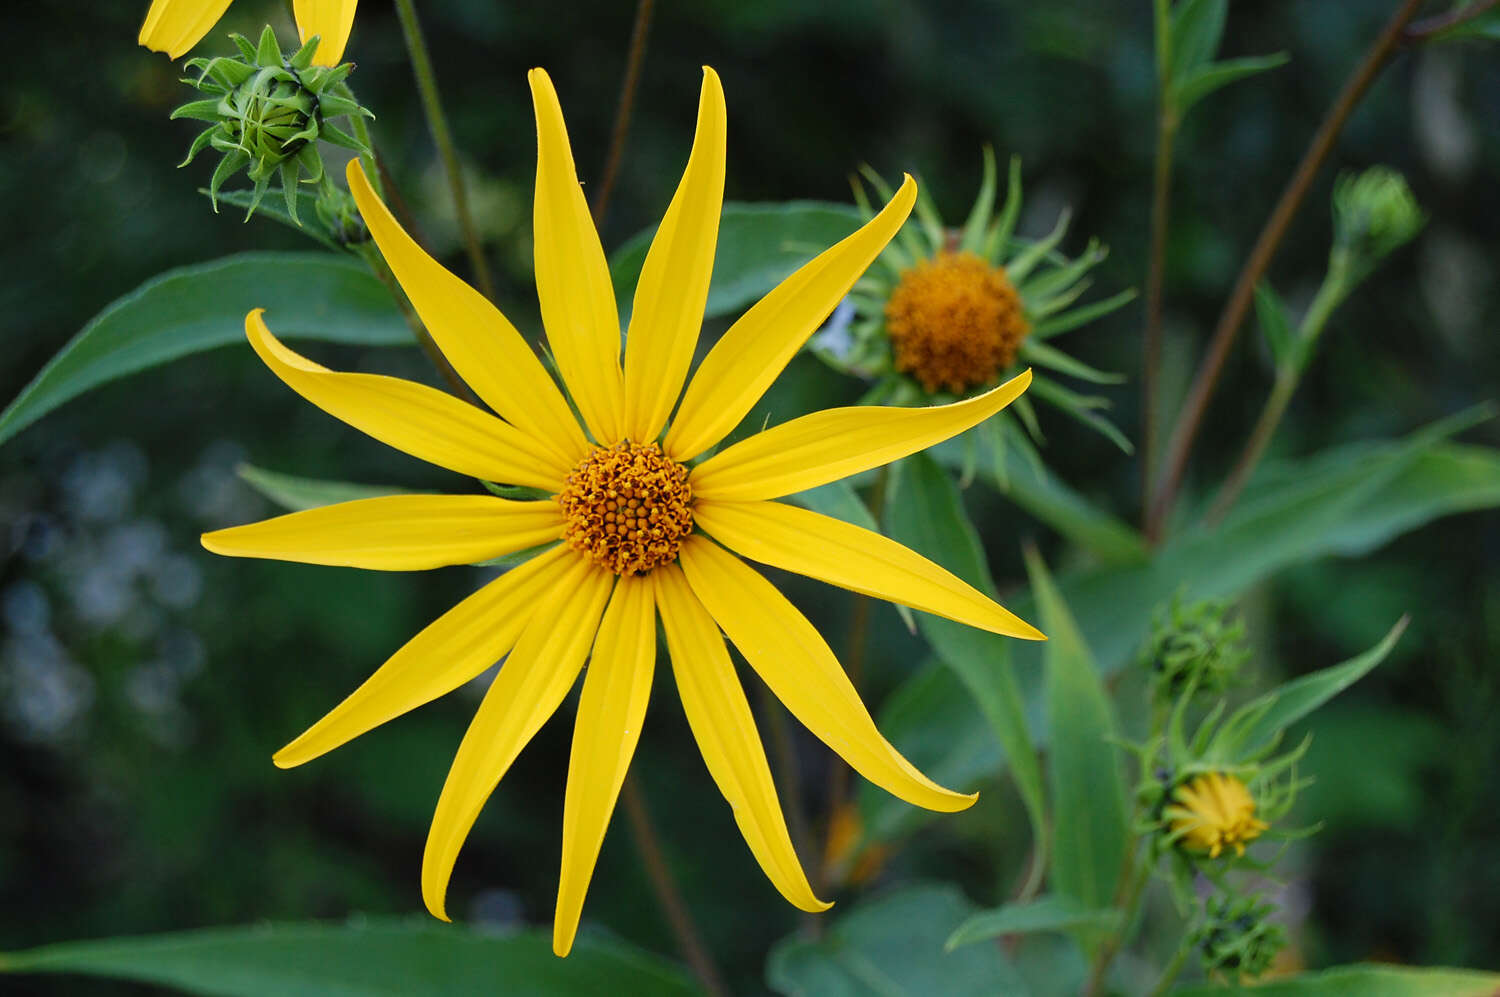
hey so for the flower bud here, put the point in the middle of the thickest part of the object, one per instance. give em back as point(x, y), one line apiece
point(1374, 214)
point(1235, 936)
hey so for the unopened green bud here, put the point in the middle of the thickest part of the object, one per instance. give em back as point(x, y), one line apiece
point(267, 114)
point(1374, 214)
point(1236, 936)
point(1194, 646)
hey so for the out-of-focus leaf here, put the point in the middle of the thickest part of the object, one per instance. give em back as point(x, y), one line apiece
point(296, 494)
point(375, 957)
point(199, 307)
point(759, 245)
point(893, 945)
point(926, 513)
point(1364, 981)
point(1271, 314)
point(1347, 501)
point(1485, 27)
point(1197, 29)
point(1049, 913)
point(1090, 820)
point(1296, 699)
point(1220, 74)
point(839, 500)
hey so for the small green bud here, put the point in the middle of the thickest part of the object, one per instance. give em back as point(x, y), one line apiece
point(267, 113)
point(1374, 214)
point(1194, 646)
point(1235, 936)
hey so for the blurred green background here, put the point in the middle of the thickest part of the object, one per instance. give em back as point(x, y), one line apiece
point(145, 684)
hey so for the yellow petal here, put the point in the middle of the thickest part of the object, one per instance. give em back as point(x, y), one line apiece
point(414, 418)
point(787, 653)
point(835, 443)
point(396, 532)
point(452, 649)
point(485, 349)
point(572, 278)
point(526, 691)
point(174, 26)
point(331, 21)
point(840, 553)
point(742, 364)
point(673, 287)
point(615, 692)
point(725, 731)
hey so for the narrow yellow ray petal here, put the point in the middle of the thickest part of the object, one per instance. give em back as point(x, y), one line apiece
point(835, 443)
point(854, 558)
point(742, 364)
point(414, 418)
point(331, 20)
point(175, 26)
point(480, 342)
point(615, 692)
point(452, 649)
point(527, 690)
point(572, 278)
point(724, 728)
point(396, 532)
point(797, 665)
point(673, 287)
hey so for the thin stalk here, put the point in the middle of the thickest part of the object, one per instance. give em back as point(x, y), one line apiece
point(1161, 194)
point(1173, 970)
point(362, 132)
point(1287, 380)
point(684, 929)
point(628, 87)
point(377, 265)
point(1180, 445)
point(1132, 890)
point(437, 121)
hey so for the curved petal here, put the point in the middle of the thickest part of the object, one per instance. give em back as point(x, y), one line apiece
point(414, 418)
point(610, 710)
point(572, 277)
point(724, 728)
point(787, 653)
point(331, 20)
point(485, 349)
point(174, 26)
point(673, 287)
point(835, 443)
point(854, 558)
point(396, 532)
point(742, 364)
point(450, 651)
point(527, 690)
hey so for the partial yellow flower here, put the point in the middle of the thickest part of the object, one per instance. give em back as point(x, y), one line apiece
point(642, 524)
point(1212, 812)
point(175, 26)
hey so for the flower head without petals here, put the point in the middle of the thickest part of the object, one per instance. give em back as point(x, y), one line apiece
point(639, 525)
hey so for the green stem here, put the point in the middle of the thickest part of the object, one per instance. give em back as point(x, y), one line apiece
point(1161, 192)
point(421, 64)
point(628, 87)
point(362, 132)
point(1134, 877)
point(1173, 970)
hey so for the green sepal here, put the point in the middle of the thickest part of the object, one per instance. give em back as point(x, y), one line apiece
point(972, 239)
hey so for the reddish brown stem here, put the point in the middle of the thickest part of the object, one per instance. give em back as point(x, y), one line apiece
point(628, 88)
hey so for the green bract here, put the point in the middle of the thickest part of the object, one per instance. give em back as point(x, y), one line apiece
point(268, 114)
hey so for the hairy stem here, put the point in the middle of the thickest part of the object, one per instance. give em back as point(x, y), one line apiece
point(437, 121)
point(1180, 445)
point(684, 929)
point(628, 87)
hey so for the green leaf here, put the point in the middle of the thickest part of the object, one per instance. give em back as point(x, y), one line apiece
point(200, 307)
point(1363, 981)
point(1090, 819)
point(1485, 27)
point(365, 957)
point(1048, 913)
point(925, 512)
point(893, 945)
point(1220, 74)
point(759, 246)
point(296, 494)
point(1274, 325)
point(1197, 29)
point(1288, 703)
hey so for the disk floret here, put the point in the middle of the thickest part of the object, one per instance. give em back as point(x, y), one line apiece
point(955, 322)
point(628, 507)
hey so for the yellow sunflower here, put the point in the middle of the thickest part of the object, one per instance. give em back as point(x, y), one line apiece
point(175, 26)
point(639, 520)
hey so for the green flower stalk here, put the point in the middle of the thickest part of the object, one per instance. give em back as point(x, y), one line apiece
point(268, 114)
point(945, 313)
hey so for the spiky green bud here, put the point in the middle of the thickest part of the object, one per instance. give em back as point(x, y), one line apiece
point(267, 114)
point(1194, 645)
point(1235, 935)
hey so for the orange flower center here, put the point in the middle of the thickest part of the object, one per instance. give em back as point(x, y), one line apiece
point(627, 507)
point(1213, 812)
point(955, 322)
